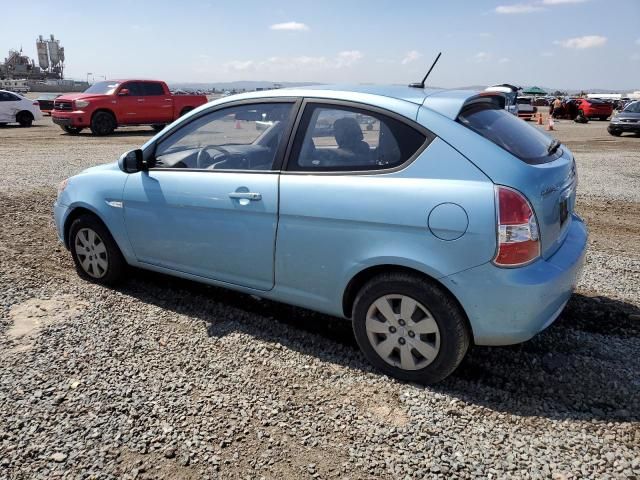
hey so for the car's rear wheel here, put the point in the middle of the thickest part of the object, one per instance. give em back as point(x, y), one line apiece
point(409, 328)
point(71, 130)
point(95, 253)
point(158, 126)
point(103, 123)
point(24, 118)
point(603, 117)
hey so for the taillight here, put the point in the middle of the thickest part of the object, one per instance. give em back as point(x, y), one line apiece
point(36, 104)
point(518, 235)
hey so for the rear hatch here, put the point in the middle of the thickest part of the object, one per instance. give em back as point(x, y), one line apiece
point(527, 160)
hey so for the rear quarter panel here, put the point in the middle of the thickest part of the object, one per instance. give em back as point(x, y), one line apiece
point(334, 226)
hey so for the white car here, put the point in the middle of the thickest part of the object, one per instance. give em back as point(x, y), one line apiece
point(15, 108)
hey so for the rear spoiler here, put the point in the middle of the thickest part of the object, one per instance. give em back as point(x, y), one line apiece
point(451, 102)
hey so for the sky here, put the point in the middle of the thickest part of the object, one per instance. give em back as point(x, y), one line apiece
point(569, 44)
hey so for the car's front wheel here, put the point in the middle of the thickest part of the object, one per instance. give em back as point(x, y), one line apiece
point(95, 253)
point(409, 328)
point(103, 123)
point(615, 133)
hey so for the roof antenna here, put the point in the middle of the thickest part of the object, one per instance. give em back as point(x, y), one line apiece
point(421, 84)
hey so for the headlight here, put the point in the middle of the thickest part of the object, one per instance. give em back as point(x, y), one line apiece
point(62, 185)
point(81, 103)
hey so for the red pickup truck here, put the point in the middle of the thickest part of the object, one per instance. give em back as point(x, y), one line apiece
point(105, 106)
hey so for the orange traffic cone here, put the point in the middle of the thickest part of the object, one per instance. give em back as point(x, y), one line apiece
point(238, 125)
point(550, 125)
point(539, 121)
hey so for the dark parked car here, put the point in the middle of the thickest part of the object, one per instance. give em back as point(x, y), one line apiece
point(628, 120)
point(45, 101)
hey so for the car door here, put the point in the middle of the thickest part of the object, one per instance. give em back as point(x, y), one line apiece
point(209, 205)
point(8, 107)
point(131, 104)
point(158, 107)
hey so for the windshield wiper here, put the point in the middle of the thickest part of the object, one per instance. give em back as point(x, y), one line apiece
point(553, 146)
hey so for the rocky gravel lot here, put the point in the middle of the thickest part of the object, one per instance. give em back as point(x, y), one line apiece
point(164, 378)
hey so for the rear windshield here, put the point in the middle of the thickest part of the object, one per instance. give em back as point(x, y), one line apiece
point(509, 132)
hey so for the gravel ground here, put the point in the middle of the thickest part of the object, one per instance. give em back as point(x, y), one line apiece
point(164, 378)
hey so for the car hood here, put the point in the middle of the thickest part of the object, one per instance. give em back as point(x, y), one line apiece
point(102, 168)
point(78, 96)
point(628, 115)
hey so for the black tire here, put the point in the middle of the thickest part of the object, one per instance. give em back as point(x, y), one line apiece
point(185, 110)
point(604, 117)
point(454, 335)
point(615, 133)
point(71, 130)
point(103, 123)
point(24, 118)
point(157, 127)
point(116, 264)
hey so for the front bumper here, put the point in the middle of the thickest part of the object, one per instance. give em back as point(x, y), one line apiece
point(59, 217)
point(624, 127)
point(507, 306)
point(70, 119)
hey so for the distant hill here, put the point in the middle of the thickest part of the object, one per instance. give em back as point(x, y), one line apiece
point(240, 85)
point(250, 85)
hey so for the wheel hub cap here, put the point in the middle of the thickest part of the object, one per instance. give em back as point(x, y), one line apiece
point(91, 252)
point(403, 332)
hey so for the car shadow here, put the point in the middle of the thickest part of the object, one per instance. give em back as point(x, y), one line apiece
point(557, 375)
point(126, 133)
point(16, 126)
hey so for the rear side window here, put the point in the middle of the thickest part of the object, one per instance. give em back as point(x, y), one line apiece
point(509, 132)
point(152, 89)
point(341, 138)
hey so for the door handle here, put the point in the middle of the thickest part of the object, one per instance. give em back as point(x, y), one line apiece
point(141, 99)
point(246, 196)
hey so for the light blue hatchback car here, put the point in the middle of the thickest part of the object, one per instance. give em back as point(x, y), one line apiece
point(432, 219)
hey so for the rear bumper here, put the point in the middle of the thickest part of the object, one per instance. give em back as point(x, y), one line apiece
point(507, 306)
point(70, 119)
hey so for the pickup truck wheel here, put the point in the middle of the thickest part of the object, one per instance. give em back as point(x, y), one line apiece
point(103, 123)
point(159, 126)
point(185, 110)
point(95, 253)
point(24, 118)
point(71, 130)
point(409, 328)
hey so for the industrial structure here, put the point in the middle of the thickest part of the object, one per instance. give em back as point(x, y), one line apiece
point(50, 62)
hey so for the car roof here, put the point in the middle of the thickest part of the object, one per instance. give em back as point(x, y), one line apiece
point(445, 102)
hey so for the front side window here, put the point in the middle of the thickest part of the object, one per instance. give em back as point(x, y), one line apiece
point(337, 138)
point(244, 137)
point(152, 89)
point(135, 88)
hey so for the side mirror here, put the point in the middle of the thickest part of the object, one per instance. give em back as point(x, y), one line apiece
point(124, 92)
point(132, 161)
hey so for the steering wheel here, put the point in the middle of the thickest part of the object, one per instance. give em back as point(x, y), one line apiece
point(203, 155)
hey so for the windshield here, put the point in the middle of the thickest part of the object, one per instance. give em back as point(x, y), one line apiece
point(632, 108)
point(105, 88)
point(509, 132)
